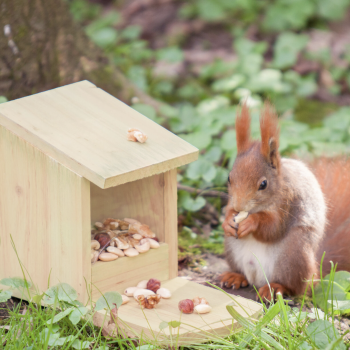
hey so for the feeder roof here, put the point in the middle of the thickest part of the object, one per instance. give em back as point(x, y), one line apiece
point(84, 128)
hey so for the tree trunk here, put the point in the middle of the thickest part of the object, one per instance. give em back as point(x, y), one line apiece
point(41, 48)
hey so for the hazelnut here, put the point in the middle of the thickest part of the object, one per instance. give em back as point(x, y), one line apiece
point(240, 216)
point(153, 285)
point(186, 306)
point(103, 238)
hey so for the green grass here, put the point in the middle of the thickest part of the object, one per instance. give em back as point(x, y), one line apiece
point(63, 323)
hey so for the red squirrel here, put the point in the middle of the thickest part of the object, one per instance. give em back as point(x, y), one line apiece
point(296, 212)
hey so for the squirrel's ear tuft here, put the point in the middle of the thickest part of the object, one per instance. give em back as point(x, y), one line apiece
point(243, 129)
point(270, 135)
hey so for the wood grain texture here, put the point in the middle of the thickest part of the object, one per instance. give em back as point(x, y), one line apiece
point(194, 328)
point(142, 200)
point(84, 128)
point(45, 207)
point(170, 220)
point(128, 271)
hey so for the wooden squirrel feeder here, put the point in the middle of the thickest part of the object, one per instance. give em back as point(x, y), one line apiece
point(65, 164)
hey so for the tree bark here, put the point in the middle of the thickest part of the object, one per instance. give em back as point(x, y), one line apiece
point(41, 47)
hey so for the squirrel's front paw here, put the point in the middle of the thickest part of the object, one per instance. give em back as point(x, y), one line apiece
point(230, 227)
point(247, 226)
point(233, 279)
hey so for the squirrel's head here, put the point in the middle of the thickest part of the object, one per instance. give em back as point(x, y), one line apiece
point(254, 178)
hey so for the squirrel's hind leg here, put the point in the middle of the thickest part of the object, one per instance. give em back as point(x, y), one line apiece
point(265, 292)
point(234, 280)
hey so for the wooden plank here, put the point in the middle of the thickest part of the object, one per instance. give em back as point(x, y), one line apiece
point(170, 220)
point(84, 128)
point(142, 200)
point(45, 207)
point(128, 271)
point(194, 328)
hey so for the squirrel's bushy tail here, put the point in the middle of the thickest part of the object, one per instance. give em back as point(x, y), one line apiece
point(334, 178)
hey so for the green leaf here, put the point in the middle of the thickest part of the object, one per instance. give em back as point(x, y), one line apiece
point(78, 344)
point(196, 169)
point(104, 37)
point(342, 306)
point(332, 10)
point(131, 33)
point(340, 286)
point(228, 140)
point(323, 333)
point(60, 315)
point(228, 84)
point(3, 99)
point(287, 47)
point(210, 174)
point(61, 292)
point(107, 300)
point(5, 295)
point(212, 104)
point(170, 54)
point(198, 139)
point(163, 325)
point(213, 154)
point(174, 324)
point(137, 75)
point(193, 205)
point(15, 282)
point(210, 10)
point(146, 110)
point(77, 314)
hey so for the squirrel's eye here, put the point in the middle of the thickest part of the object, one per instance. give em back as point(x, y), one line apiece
point(263, 185)
point(228, 179)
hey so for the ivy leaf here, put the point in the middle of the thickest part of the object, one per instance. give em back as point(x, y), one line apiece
point(212, 104)
point(287, 47)
point(210, 174)
point(60, 315)
point(78, 344)
point(77, 314)
point(174, 324)
point(61, 292)
point(228, 140)
point(3, 99)
point(146, 110)
point(107, 300)
point(198, 139)
point(170, 54)
point(15, 282)
point(104, 37)
point(196, 169)
point(5, 295)
point(228, 84)
point(191, 204)
point(323, 333)
point(137, 75)
point(163, 325)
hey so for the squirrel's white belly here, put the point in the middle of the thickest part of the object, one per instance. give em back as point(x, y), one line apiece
point(255, 259)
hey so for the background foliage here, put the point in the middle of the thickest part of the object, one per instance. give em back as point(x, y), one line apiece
point(200, 107)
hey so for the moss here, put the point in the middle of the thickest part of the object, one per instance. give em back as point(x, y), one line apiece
point(313, 112)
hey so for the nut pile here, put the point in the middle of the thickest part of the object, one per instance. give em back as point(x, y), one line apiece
point(117, 238)
point(147, 293)
point(198, 305)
